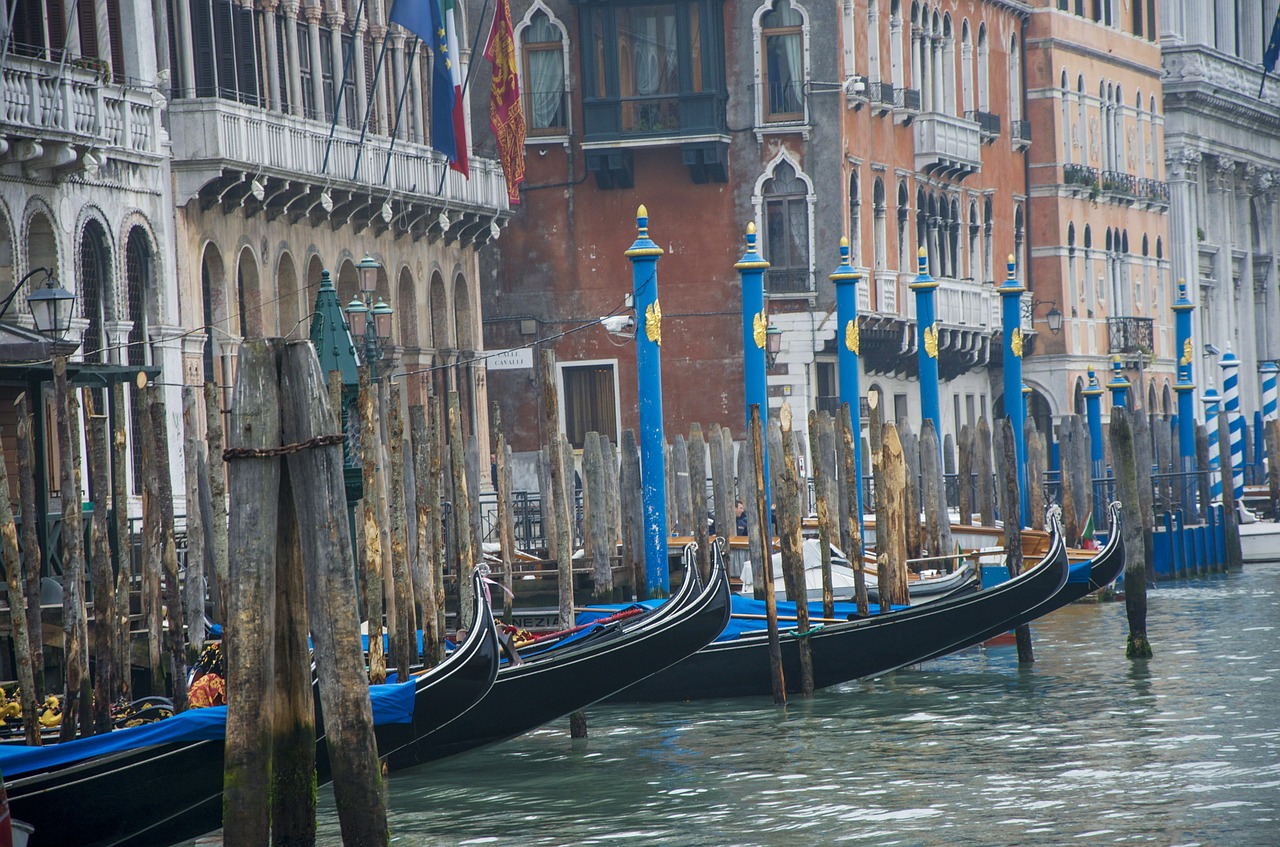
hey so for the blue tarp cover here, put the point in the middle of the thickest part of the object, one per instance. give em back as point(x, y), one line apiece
point(391, 704)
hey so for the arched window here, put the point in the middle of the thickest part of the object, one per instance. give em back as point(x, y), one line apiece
point(855, 219)
point(95, 291)
point(988, 225)
point(1077, 397)
point(542, 43)
point(948, 96)
point(1015, 80)
point(922, 226)
point(905, 265)
point(140, 284)
point(873, 42)
point(1088, 291)
point(967, 101)
point(786, 225)
point(1019, 240)
point(782, 49)
point(1066, 118)
point(975, 243)
point(880, 245)
point(984, 61)
point(1073, 280)
point(1153, 147)
point(895, 44)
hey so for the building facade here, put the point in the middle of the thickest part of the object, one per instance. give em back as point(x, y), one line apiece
point(1101, 251)
point(899, 125)
point(1222, 139)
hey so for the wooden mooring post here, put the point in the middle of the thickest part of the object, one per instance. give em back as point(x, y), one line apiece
point(425, 582)
point(104, 583)
point(120, 514)
point(821, 472)
point(405, 634)
point(891, 533)
point(372, 532)
point(791, 495)
point(13, 571)
point(1012, 509)
point(31, 562)
point(764, 574)
point(1124, 462)
point(853, 515)
point(173, 600)
point(217, 494)
point(697, 447)
point(195, 474)
point(1273, 466)
point(77, 694)
point(506, 528)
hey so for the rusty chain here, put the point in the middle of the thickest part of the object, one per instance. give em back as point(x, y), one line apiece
point(267, 452)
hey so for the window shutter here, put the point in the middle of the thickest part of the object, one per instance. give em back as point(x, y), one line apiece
point(117, 37)
point(246, 56)
point(223, 48)
point(88, 29)
point(57, 26)
point(206, 82)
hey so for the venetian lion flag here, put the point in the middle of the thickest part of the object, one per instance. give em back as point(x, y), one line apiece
point(506, 117)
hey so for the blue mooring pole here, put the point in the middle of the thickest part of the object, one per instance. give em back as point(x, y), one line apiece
point(1185, 389)
point(846, 281)
point(1119, 384)
point(1014, 405)
point(1093, 412)
point(755, 325)
point(927, 342)
point(653, 471)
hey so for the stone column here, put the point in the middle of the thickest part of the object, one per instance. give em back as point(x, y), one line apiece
point(415, 93)
point(362, 84)
point(337, 20)
point(395, 113)
point(268, 28)
point(313, 15)
point(183, 77)
point(1224, 18)
point(293, 70)
point(380, 88)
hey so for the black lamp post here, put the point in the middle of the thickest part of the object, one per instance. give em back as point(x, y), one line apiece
point(50, 306)
point(370, 322)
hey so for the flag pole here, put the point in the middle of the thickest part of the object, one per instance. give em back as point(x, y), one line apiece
point(404, 91)
point(342, 87)
point(368, 107)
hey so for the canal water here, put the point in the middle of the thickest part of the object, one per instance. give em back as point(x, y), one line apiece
point(1085, 747)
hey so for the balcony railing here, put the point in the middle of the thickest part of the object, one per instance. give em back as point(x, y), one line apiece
point(1021, 131)
point(962, 302)
point(881, 92)
point(906, 98)
point(887, 292)
point(947, 143)
point(1130, 335)
point(210, 133)
point(49, 101)
point(987, 122)
point(788, 281)
point(646, 117)
point(1154, 190)
point(1120, 183)
point(1080, 175)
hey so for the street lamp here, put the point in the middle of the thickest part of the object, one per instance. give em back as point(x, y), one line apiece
point(51, 309)
point(370, 322)
point(772, 344)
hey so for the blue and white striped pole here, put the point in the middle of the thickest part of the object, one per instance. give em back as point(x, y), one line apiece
point(1211, 400)
point(755, 326)
point(1235, 421)
point(653, 464)
point(1269, 371)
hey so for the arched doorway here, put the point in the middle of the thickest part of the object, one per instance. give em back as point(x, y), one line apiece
point(249, 296)
point(294, 307)
point(140, 294)
point(441, 336)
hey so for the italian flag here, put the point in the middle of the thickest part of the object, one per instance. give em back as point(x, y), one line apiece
point(459, 164)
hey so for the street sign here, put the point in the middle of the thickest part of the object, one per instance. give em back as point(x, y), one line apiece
point(509, 360)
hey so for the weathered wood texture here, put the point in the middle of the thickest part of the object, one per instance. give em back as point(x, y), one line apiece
point(683, 484)
point(101, 578)
point(1013, 528)
point(964, 475)
point(331, 598)
point(68, 423)
point(249, 652)
point(194, 469)
point(853, 517)
point(405, 635)
point(629, 489)
point(596, 520)
point(1124, 463)
point(791, 495)
point(891, 533)
point(721, 482)
point(120, 518)
point(698, 497)
point(506, 527)
point(372, 533)
point(1273, 465)
point(937, 523)
point(13, 571)
point(217, 490)
point(822, 470)
point(425, 586)
point(31, 563)
point(173, 600)
point(764, 573)
point(982, 466)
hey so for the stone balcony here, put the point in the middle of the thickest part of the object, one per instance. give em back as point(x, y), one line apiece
point(61, 119)
point(947, 145)
point(240, 156)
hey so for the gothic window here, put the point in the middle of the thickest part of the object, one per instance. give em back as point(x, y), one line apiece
point(782, 53)
point(878, 208)
point(1015, 80)
point(895, 44)
point(873, 42)
point(855, 219)
point(984, 59)
point(1073, 281)
point(786, 223)
point(544, 78)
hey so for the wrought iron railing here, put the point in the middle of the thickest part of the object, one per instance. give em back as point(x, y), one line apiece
point(1080, 175)
point(1154, 189)
point(1020, 130)
point(907, 98)
point(1130, 335)
point(788, 281)
point(881, 92)
point(1118, 182)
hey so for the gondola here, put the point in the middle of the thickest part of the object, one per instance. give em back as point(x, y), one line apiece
point(554, 682)
point(1084, 579)
point(161, 783)
point(857, 648)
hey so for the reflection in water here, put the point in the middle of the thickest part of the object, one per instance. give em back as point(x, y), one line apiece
point(1085, 747)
